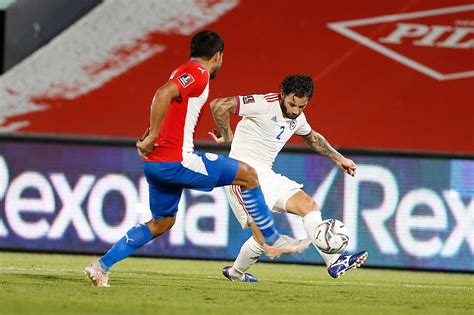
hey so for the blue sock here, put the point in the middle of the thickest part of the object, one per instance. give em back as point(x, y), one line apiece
point(257, 207)
point(135, 238)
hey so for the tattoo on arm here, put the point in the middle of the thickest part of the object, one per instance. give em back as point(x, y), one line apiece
point(320, 145)
point(221, 109)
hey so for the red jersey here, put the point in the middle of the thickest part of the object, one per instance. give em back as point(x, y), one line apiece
point(177, 129)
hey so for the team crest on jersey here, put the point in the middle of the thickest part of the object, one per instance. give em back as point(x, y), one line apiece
point(248, 99)
point(211, 156)
point(293, 124)
point(185, 79)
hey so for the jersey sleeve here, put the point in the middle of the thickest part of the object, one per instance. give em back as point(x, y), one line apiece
point(303, 128)
point(251, 105)
point(191, 81)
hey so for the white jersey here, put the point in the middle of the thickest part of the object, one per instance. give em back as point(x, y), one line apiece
point(263, 130)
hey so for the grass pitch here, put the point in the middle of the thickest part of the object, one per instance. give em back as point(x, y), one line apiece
point(55, 284)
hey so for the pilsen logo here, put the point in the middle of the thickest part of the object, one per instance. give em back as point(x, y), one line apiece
point(410, 38)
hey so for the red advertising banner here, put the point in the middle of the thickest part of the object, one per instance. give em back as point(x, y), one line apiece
point(388, 74)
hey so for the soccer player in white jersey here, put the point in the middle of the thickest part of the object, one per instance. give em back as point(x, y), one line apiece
point(268, 123)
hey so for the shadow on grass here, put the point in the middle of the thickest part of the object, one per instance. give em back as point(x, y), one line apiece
point(41, 279)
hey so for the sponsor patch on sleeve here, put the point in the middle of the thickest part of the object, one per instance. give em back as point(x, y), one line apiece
point(248, 99)
point(185, 79)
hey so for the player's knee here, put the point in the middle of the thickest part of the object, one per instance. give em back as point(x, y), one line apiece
point(250, 177)
point(308, 205)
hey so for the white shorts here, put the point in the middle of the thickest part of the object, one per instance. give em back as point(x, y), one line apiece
point(277, 189)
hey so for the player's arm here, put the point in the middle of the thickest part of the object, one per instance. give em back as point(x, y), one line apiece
point(320, 145)
point(221, 109)
point(159, 107)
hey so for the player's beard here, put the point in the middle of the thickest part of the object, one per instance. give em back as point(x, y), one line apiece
point(282, 106)
point(285, 111)
point(213, 74)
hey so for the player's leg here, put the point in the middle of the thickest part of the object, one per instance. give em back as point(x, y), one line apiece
point(254, 201)
point(275, 244)
point(136, 237)
point(252, 249)
point(164, 205)
point(303, 205)
point(248, 255)
point(238, 173)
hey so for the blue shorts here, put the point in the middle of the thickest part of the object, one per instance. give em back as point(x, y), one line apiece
point(198, 170)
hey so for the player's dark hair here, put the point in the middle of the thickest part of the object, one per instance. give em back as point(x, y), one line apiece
point(300, 85)
point(205, 44)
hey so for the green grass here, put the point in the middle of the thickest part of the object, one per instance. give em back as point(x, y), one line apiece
point(54, 284)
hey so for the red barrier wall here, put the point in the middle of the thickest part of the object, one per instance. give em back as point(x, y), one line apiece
point(364, 98)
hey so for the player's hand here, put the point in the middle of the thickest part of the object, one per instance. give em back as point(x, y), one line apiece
point(217, 136)
point(347, 165)
point(145, 146)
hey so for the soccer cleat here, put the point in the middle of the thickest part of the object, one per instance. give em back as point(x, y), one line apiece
point(286, 245)
point(96, 275)
point(247, 277)
point(347, 262)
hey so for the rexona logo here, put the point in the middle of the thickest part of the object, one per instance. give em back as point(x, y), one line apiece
point(54, 204)
point(438, 43)
point(448, 215)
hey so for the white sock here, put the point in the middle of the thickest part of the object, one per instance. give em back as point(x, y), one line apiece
point(310, 222)
point(248, 255)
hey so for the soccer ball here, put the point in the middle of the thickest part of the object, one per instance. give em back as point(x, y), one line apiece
point(332, 236)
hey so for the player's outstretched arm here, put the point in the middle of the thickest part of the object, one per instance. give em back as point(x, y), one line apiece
point(221, 109)
point(159, 107)
point(320, 145)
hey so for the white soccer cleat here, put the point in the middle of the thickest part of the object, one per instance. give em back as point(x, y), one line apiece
point(97, 276)
point(286, 245)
